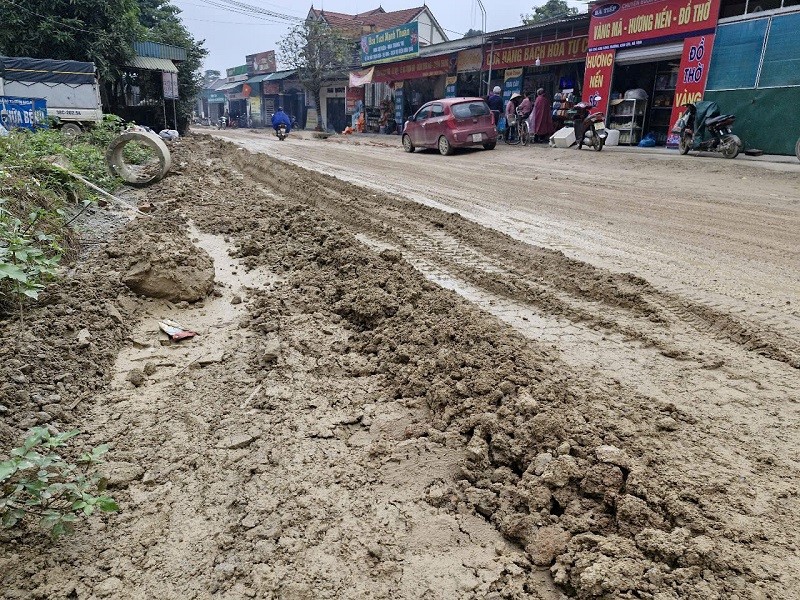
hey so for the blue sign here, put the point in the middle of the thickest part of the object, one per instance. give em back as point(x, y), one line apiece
point(25, 113)
point(398, 107)
point(512, 84)
point(450, 86)
point(390, 44)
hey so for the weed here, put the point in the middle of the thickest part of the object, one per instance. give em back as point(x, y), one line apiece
point(35, 482)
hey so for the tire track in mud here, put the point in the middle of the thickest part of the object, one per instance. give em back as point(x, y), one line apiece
point(550, 281)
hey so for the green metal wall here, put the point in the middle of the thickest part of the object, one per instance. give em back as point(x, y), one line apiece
point(767, 119)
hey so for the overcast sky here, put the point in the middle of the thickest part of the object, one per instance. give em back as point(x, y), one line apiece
point(230, 36)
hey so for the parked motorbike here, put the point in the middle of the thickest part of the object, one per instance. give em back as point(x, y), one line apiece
point(702, 127)
point(592, 135)
point(222, 122)
point(282, 132)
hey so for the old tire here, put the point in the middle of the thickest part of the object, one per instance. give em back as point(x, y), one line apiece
point(117, 165)
point(71, 129)
point(408, 145)
point(732, 145)
point(490, 146)
point(445, 149)
point(597, 143)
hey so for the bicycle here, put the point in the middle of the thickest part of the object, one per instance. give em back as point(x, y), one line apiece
point(517, 132)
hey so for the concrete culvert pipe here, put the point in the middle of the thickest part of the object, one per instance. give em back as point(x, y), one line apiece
point(154, 170)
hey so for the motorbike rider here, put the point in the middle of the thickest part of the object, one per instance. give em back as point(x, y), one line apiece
point(281, 118)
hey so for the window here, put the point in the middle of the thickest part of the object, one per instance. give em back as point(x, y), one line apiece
point(737, 54)
point(423, 113)
point(781, 66)
point(437, 110)
point(465, 110)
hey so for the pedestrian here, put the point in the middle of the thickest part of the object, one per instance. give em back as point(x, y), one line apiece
point(495, 102)
point(541, 121)
point(511, 113)
point(526, 106)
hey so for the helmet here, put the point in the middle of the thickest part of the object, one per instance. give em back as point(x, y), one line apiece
point(280, 109)
point(497, 89)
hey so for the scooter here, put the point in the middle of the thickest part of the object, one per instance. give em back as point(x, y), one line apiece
point(222, 122)
point(702, 127)
point(282, 132)
point(592, 136)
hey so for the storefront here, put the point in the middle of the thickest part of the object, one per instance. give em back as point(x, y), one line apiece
point(755, 74)
point(643, 59)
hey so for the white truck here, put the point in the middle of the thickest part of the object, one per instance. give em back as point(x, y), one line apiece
point(70, 88)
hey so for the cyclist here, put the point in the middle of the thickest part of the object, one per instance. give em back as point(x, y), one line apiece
point(511, 112)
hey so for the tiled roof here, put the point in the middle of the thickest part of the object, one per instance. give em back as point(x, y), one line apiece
point(376, 18)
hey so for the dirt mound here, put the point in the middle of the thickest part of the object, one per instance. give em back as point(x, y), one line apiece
point(164, 263)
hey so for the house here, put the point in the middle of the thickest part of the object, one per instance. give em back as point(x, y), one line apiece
point(333, 98)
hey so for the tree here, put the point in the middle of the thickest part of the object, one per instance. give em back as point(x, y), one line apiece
point(98, 31)
point(319, 54)
point(160, 22)
point(473, 33)
point(549, 10)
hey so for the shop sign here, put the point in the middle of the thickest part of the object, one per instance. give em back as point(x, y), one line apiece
point(692, 77)
point(597, 79)
point(632, 23)
point(450, 85)
point(261, 63)
point(415, 69)
point(389, 45)
point(216, 98)
point(353, 96)
point(255, 106)
point(169, 83)
point(398, 102)
point(470, 60)
point(237, 73)
point(512, 83)
point(557, 51)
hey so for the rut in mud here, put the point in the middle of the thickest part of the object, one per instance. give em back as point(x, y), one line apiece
point(352, 430)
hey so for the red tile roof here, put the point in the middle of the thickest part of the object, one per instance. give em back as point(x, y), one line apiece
point(376, 18)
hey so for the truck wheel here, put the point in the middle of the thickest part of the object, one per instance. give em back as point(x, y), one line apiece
point(71, 129)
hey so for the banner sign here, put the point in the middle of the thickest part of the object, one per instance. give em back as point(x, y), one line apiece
point(360, 78)
point(270, 88)
point(632, 23)
point(390, 44)
point(353, 96)
point(450, 85)
point(512, 84)
point(216, 98)
point(261, 63)
point(470, 60)
point(398, 105)
point(415, 69)
point(169, 83)
point(558, 51)
point(27, 113)
point(597, 79)
point(692, 77)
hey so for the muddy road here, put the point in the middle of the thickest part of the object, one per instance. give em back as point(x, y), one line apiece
point(428, 385)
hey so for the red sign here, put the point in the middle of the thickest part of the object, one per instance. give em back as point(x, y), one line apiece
point(261, 63)
point(630, 23)
point(692, 77)
point(597, 80)
point(415, 69)
point(269, 88)
point(354, 94)
point(557, 51)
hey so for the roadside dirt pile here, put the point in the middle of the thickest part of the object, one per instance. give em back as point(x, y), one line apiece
point(342, 427)
point(164, 264)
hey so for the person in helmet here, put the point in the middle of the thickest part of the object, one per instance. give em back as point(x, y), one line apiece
point(495, 102)
point(281, 118)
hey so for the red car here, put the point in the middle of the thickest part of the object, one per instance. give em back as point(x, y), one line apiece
point(451, 123)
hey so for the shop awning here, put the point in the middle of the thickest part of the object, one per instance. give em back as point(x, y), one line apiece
point(653, 53)
point(149, 63)
point(230, 86)
point(258, 78)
